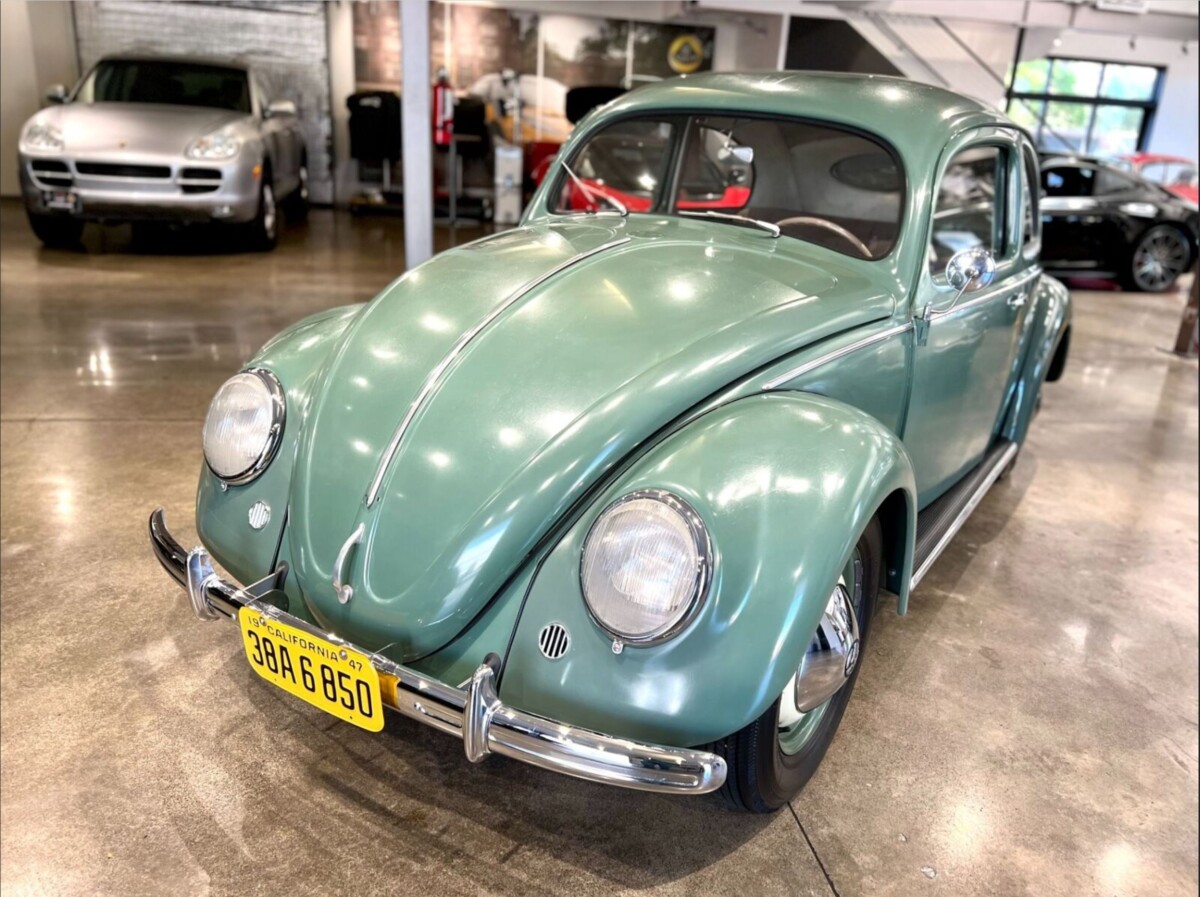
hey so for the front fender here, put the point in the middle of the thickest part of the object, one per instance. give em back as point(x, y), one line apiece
point(785, 482)
point(296, 356)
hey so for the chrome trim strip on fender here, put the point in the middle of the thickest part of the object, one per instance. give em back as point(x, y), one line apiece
point(473, 712)
point(435, 376)
point(961, 518)
point(776, 382)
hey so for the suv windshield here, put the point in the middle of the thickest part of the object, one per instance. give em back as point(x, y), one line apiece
point(166, 82)
point(815, 182)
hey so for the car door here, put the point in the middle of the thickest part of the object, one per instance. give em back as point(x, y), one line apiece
point(1079, 218)
point(965, 351)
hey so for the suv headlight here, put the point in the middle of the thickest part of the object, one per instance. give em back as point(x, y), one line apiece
point(215, 147)
point(647, 563)
point(244, 426)
point(41, 138)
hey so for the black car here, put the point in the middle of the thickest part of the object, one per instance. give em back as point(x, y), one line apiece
point(1097, 219)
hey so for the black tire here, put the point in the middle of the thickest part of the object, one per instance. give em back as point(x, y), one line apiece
point(263, 232)
point(296, 204)
point(1160, 255)
point(762, 778)
point(56, 231)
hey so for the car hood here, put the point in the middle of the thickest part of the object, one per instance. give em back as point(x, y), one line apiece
point(550, 391)
point(136, 127)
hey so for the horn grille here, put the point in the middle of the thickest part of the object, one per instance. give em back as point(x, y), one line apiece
point(554, 640)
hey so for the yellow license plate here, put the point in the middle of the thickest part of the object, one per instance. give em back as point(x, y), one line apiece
point(338, 680)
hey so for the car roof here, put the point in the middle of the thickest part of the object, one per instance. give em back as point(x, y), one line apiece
point(916, 119)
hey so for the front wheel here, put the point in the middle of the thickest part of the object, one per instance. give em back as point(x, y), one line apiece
point(1161, 255)
point(772, 758)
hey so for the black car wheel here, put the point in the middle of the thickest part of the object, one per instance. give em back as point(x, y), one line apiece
point(56, 231)
point(1161, 255)
point(772, 758)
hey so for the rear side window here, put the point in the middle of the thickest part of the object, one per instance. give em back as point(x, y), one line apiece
point(967, 214)
point(1108, 181)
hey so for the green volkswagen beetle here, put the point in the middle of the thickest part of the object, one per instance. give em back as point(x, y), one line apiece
point(618, 492)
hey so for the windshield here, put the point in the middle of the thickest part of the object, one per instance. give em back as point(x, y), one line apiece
point(170, 83)
point(815, 182)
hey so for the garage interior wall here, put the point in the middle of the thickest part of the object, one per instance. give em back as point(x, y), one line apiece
point(37, 45)
point(1174, 129)
point(288, 43)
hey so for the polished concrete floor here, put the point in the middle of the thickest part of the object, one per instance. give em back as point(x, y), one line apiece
point(1029, 728)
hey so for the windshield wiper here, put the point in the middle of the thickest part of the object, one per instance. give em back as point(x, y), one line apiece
point(772, 229)
point(587, 191)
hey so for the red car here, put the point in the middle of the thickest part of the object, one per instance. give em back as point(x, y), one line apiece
point(1175, 173)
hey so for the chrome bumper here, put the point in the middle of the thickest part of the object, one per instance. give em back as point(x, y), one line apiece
point(473, 713)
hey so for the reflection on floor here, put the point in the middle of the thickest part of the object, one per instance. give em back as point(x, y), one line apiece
point(1029, 727)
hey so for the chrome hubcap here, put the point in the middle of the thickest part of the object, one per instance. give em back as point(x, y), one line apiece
point(1159, 259)
point(827, 666)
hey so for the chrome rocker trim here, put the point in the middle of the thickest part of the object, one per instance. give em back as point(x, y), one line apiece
point(474, 713)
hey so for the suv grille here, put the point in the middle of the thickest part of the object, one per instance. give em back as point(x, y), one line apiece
point(115, 170)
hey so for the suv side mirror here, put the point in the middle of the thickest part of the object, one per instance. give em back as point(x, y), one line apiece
point(970, 270)
point(280, 107)
point(56, 93)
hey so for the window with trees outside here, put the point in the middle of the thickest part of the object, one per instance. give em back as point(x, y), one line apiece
point(1083, 106)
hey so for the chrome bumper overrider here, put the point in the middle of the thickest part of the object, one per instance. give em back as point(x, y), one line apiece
point(473, 713)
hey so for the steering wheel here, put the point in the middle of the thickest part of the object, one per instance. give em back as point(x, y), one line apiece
point(828, 225)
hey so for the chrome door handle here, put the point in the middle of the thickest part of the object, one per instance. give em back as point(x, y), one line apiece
point(344, 590)
point(1018, 300)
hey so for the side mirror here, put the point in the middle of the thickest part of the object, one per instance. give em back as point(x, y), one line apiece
point(280, 107)
point(56, 93)
point(970, 270)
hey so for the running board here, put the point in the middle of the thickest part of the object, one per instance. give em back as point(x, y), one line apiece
point(939, 522)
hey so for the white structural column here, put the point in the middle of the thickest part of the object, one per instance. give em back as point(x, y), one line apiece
point(417, 143)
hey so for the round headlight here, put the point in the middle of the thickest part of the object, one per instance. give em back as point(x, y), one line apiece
point(647, 561)
point(243, 426)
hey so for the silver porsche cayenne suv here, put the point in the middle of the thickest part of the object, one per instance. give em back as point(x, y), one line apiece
point(153, 139)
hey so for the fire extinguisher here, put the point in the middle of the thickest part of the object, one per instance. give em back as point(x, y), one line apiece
point(443, 110)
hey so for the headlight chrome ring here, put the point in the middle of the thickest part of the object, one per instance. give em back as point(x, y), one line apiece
point(701, 544)
point(278, 408)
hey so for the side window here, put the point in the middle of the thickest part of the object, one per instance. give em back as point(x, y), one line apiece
point(1068, 180)
point(967, 213)
point(1030, 221)
point(260, 87)
point(1108, 182)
